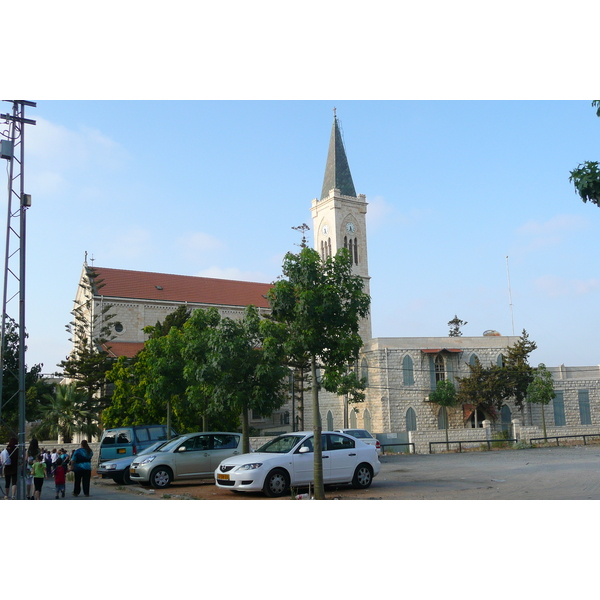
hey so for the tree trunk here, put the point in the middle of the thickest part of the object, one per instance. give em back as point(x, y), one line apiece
point(245, 430)
point(544, 424)
point(318, 465)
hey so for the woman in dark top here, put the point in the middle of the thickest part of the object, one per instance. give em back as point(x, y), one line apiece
point(81, 462)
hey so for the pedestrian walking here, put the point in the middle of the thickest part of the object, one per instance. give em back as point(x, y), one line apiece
point(60, 478)
point(30, 457)
point(48, 462)
point(10, 461)
point(39, 471)
point(81, 462)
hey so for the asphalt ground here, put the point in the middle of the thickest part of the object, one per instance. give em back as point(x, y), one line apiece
point(545, 473)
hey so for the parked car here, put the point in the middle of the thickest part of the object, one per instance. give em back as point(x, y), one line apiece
point(128, 441)
point(189, 456)
point(118, 469)
point(364, 436)
point(288, 460)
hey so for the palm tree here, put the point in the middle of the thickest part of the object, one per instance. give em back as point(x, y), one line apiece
point(64, 415)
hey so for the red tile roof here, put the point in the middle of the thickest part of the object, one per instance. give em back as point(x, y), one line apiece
point(142, 285)
point(128, 349)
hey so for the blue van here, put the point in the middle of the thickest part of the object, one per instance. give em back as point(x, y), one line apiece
point(128, 441)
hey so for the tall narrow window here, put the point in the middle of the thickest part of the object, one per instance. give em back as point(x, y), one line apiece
point(328, 247)
point(584, 407)
point(440, 372)
point(443, 418)
point(408, 375)
point(559, 410)
point(364, 370)
point(345, 241)
point(329, 421)
point(352, 419)
point(474, 358)
point(356, 250)
point(367, 419)
point(411, 419)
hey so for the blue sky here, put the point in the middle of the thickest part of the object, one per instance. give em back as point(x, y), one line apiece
point(213, 188)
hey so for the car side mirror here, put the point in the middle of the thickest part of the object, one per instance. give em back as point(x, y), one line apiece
point(181, 449)
point(304, 450)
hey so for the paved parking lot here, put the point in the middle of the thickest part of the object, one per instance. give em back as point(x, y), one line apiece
point(550, 473)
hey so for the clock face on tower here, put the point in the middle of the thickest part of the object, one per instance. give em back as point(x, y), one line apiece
point(350, 227)
point(325, 229)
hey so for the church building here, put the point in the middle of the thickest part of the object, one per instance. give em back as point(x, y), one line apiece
point(401, 373)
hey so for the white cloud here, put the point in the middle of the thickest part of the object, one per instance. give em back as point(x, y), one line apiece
point(552, 232)
point(132, 244)
point(555, 286)
point(58, 157)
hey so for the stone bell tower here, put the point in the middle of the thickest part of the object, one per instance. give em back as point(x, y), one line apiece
point(339, 216)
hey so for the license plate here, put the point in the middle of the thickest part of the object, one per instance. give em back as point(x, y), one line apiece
point(222, 475)
point(121, 450)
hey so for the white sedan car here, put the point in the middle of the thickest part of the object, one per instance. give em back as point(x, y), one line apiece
point(288, 461)
point(364, 436)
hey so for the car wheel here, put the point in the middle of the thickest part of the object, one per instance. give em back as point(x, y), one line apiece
point(126, 477)
point(161, 477)
point(277, 483)
point(363, 476)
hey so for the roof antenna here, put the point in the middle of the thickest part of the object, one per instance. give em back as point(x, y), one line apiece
point(334, 114)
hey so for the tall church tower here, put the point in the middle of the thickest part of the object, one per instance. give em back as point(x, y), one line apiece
point(339, 217)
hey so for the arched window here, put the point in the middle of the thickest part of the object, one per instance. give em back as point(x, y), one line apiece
point(443, 418)
point(408, 374)
point(440, 371)
point(474, 359)
point(505, 417)
point(356, 250)
point(328, 247)
point(329, 421)
point(364, 370)
point(367, 419)
point(500, 360)
point(352, 419)
point(411, 419)
point(345, 241)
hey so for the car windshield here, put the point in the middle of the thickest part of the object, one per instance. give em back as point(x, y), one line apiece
point(281, 445)
point(153, 448)
point(171, 444)
point(358, 433)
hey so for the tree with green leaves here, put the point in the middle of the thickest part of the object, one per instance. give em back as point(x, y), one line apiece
point(586, 177)
point(455, 325)
point(63, 414)
point(321, 304)
point(483, 389)
point(35, 387)
point(91, 332)
point(541, 390)
point(445, 397)
point(516, 372)
point(247, 370)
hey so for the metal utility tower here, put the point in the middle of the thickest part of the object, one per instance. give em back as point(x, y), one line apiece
point(12, 149)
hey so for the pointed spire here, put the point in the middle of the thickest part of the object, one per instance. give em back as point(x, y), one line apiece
point(337, 171)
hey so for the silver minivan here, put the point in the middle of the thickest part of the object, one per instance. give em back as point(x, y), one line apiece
point(189, 456)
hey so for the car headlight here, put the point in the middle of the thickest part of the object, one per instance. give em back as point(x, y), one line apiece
point(250, 466)
point(147, 460)
point(108, 467)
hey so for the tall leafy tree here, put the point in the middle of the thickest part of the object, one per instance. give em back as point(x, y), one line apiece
point(63, 413)
point(247, 367)
point(541, 390)
point(91, 332)
point(321, 304)
point(586, 176)
point(35, 387)
point(517, 372)
point(445, 396)
point(484, 388)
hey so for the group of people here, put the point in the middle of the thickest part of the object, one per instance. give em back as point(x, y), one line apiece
point(42, 464)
